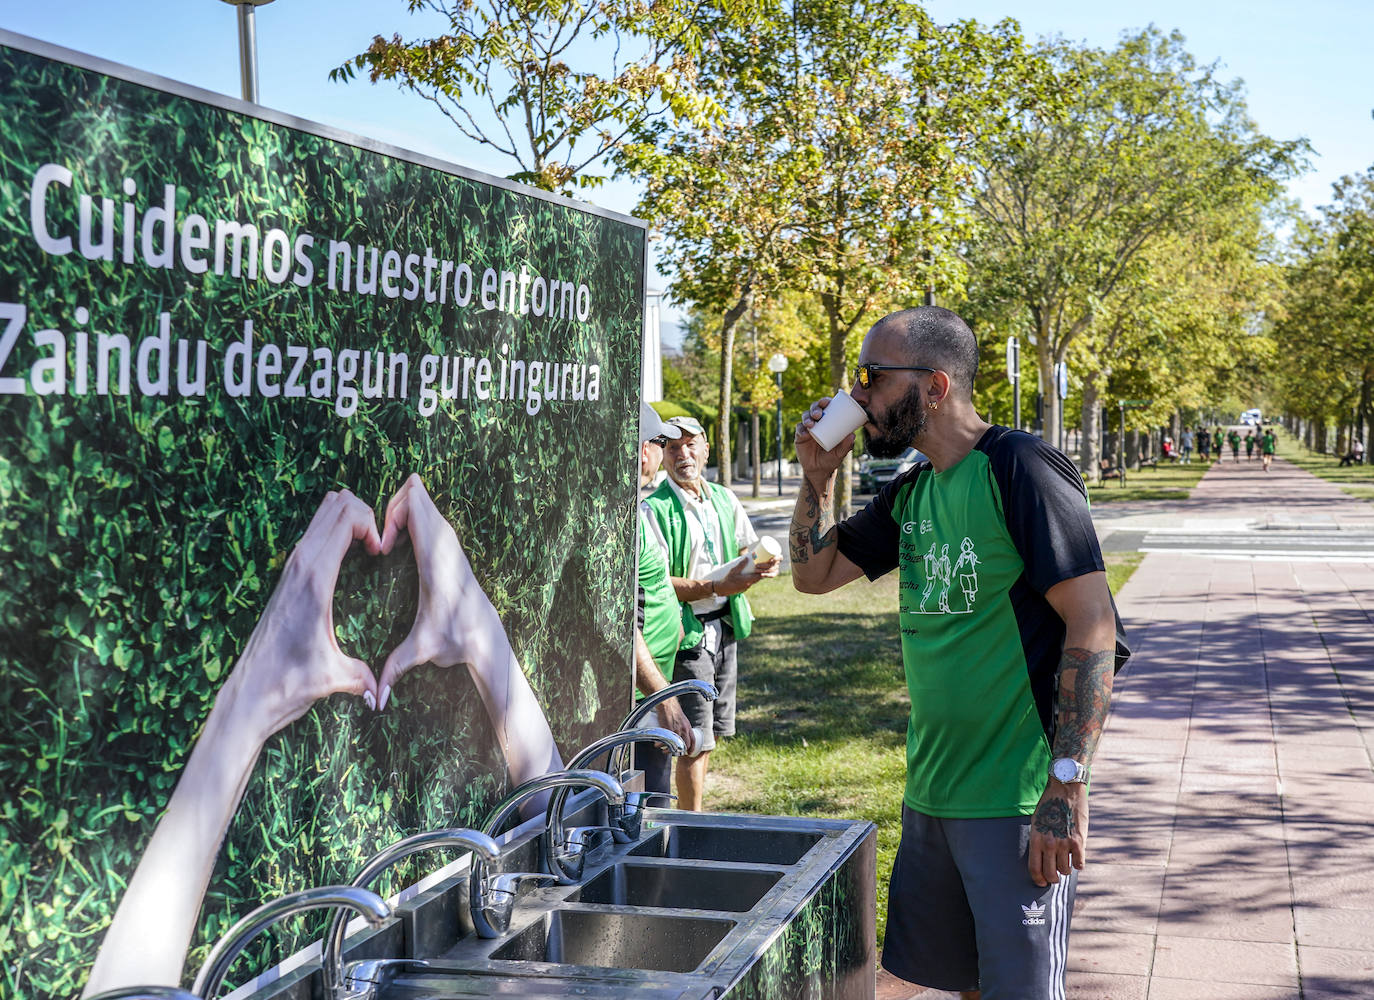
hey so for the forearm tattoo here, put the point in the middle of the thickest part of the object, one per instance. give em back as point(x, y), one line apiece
point(813, 524)
point(1085, 688)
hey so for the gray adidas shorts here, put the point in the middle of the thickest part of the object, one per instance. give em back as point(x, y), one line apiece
point(963, 913)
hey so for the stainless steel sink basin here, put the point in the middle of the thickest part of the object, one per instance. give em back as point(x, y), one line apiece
point(708, 843)
point(616, 940)
point(683, 887)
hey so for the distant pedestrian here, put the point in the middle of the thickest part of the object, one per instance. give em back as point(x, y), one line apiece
point(1185, 442)
point(1233, 436)
point(1267, 448)
point(1249, 446)
point(1216, 442)
point(1204, 444)
point(1355, 456)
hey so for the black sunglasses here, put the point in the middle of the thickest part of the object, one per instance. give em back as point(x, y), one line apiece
point(864, 373)
point(661, 441)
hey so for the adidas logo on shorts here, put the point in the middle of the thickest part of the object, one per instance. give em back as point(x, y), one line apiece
point(1034, 914)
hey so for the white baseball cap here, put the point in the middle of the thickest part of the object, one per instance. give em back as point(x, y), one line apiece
point(651, 425)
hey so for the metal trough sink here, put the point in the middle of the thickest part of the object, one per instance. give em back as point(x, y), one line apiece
point(712, 843)
point(616, 940)
point(677, 886)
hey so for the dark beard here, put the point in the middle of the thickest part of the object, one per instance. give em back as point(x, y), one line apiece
point(906, 421)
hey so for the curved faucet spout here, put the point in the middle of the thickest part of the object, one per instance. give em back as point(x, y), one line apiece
point(331, 968)
point(222, 956)
point(145, 993)
point(617, 764)
point(651, 701)
point(565, 860)
point(491, 905)
point(668, 739)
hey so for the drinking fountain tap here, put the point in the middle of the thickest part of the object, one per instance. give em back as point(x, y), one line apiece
point(339, 983)
point(647, 704)
point(492, 898)
point(564, 856)
point(617, 765)
point(222, 956)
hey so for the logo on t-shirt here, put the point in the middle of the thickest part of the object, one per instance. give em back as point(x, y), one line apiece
point(951, 579)
point(1034, 914)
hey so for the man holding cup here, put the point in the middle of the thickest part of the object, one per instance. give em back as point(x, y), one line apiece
point(1009, 670)
point(705, 532)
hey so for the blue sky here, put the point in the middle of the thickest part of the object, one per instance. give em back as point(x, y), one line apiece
point(1306, 65)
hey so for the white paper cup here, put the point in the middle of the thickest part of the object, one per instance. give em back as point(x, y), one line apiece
point(842, 417)
point(766, 550)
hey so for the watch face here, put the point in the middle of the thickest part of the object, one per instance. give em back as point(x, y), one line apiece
point(1065, 769)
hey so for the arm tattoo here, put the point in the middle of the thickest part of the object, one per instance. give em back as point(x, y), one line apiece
point(1055, 819)
point(1085, 688)
point(815, 529)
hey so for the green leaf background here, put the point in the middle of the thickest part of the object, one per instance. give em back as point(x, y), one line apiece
point(141, 537)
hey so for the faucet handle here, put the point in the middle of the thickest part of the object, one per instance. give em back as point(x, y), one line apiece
point(508, 883)
point(630, 820)
point(635, 801)
point(492, 918)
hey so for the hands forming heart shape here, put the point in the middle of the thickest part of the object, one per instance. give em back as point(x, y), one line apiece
point(293, 658)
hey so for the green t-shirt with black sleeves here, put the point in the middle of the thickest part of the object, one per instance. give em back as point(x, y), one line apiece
point(977, 546)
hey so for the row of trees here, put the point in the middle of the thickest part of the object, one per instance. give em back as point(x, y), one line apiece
point(812, 164)
point(1325, 339)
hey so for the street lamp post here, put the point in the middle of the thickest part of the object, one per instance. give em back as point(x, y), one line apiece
point(777, 364)
point(248, 47)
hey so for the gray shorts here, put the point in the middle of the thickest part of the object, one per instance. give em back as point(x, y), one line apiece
point(712, 659)
point(963, 913)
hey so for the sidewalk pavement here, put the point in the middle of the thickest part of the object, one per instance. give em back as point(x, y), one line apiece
point(1231, 852)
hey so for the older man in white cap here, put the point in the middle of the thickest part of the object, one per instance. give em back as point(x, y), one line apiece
point(658, 617)
point(705, 529)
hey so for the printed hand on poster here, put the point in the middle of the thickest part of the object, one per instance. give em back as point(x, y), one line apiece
point(456, 623)
point(291, 660)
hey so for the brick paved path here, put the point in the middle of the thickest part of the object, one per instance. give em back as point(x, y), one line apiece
point(1231, 852)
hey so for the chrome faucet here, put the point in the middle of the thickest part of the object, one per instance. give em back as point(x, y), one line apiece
point(338, 983)
point(564, 855)
point(492, 898)
point(222, 956)
point(648, 703)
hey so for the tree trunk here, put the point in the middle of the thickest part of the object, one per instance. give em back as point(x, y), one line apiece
point(757, 454)
point(1049, 389)
point(1321, 437)
point(727, 354)
point(742, 446)
point(1090, 415)
point(1133, 449)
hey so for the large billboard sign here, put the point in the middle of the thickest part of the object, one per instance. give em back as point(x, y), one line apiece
point(316, 506)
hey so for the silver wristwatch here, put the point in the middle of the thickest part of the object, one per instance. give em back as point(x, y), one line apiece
point(1067, 770)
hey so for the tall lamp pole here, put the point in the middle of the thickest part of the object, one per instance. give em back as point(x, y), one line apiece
point(777, 364)
point(248, 47)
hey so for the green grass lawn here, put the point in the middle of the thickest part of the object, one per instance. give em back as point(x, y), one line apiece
point(1357, 480)
point(823, 710)
point(1170, 481)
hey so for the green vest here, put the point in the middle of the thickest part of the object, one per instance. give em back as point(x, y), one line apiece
point(672, 519)
point(662, 619)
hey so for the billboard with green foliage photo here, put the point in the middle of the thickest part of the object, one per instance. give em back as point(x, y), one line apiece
point(317, 498)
